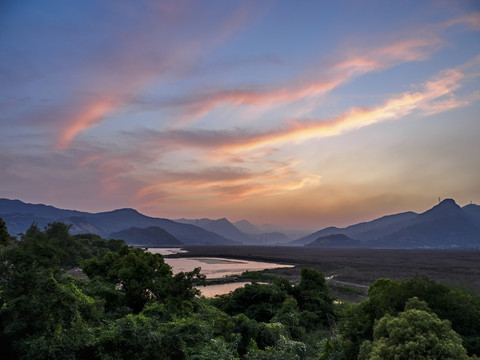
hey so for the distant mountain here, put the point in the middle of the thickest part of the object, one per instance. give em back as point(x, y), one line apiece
point(151, 236)
point(364, 231)
point(336, 241)
point(271, 238)
point(446, 225)
point(473, 213)
point(19, 216)
point(222, 227)
point(246, 227)
point(265, 235)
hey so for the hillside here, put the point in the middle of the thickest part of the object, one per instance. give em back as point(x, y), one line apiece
point(19, 216)
point(151, 236)
point(446, 225)
point(335, 241)
point(221, 227)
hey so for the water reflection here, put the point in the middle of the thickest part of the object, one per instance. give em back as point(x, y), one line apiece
point(167, 251)
point(215, 268)
point(212, 267)
point(220, 289)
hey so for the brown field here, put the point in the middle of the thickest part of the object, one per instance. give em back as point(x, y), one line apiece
point(356, 269)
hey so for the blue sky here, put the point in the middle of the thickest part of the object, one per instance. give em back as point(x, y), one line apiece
point(302, 114)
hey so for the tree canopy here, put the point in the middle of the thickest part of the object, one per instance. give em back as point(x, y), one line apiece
point(127, 303)
point(416, 333)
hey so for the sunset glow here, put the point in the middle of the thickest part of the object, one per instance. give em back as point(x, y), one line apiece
point(298, 114)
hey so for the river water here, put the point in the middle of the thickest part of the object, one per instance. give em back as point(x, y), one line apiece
point(214, 268)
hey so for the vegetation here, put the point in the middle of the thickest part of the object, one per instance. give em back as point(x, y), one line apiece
point(133, 306)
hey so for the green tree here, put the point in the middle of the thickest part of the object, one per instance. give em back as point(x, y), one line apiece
point(45, 315)
point(256, 301)
point(5, 237)
point(139, 274)
point(415, 333)
point(390, 296)
point(142, 277)
point(314, 300)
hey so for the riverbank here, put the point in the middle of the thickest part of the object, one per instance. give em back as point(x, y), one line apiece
point(356, 269)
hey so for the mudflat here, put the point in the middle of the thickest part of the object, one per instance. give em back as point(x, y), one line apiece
point(360, 267)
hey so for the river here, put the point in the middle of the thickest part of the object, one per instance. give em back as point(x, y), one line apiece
point(214, 268)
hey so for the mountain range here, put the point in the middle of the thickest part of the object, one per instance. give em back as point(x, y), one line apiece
point(446, 225)
point(19, 216)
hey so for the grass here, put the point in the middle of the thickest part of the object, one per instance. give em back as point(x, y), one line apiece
point(359, 266)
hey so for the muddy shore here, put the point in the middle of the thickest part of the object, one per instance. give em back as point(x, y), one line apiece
point(361, 266)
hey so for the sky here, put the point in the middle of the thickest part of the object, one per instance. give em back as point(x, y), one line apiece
point(293, 113)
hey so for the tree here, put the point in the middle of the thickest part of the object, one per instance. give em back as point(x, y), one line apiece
point(44, 315)
point(4, 235)
point(416, 333)
point(143, 277)
point(390, 296)
point(314, 300)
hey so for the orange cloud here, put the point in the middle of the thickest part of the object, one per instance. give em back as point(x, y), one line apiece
point(357, 63)
point(227, 185)
point(88, 117)
point(416, 46)
point(436, 93)
point(397, 107)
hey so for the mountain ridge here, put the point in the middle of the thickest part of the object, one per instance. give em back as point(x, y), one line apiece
point(445, 225)
point(105, 223)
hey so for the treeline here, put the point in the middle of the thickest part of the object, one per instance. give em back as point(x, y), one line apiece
point(129, 305)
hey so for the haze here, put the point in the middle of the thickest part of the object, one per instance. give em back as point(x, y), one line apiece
point(307, 113)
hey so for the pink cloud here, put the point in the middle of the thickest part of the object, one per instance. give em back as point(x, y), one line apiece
point(114, 79)
point(353, 62)
point(438, 90)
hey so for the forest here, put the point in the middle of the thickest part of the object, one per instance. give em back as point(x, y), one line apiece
point(66, 296)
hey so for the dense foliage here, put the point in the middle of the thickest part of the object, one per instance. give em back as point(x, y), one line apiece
point(129, 305)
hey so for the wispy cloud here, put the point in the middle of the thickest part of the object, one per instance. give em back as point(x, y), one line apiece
point(263, 179)
point(226, 184)
point(120, 63)
point(121, 78)
point(437, 93)
point(416, 45)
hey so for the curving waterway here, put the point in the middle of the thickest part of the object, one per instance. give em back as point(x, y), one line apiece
point(214, 268)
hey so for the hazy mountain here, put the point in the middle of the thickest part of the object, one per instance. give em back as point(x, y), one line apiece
point(20, 216)
point(272, 238)
point(446, 225)
point(151, 236)
point(265, 235)
point(246, 227)
point(364, 231)
point(473, 213)
point(335, 241)
point(222, 227)
point(18, 207)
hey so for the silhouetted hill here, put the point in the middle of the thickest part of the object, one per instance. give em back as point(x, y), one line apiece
point(246, 227)
point(22, 215)
point(473, 213)
point(446, 225)
point(222, 227)
point(364, 231)
point(271, 238)
point(335, 241)
point(151, 236)
point(18, 207)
